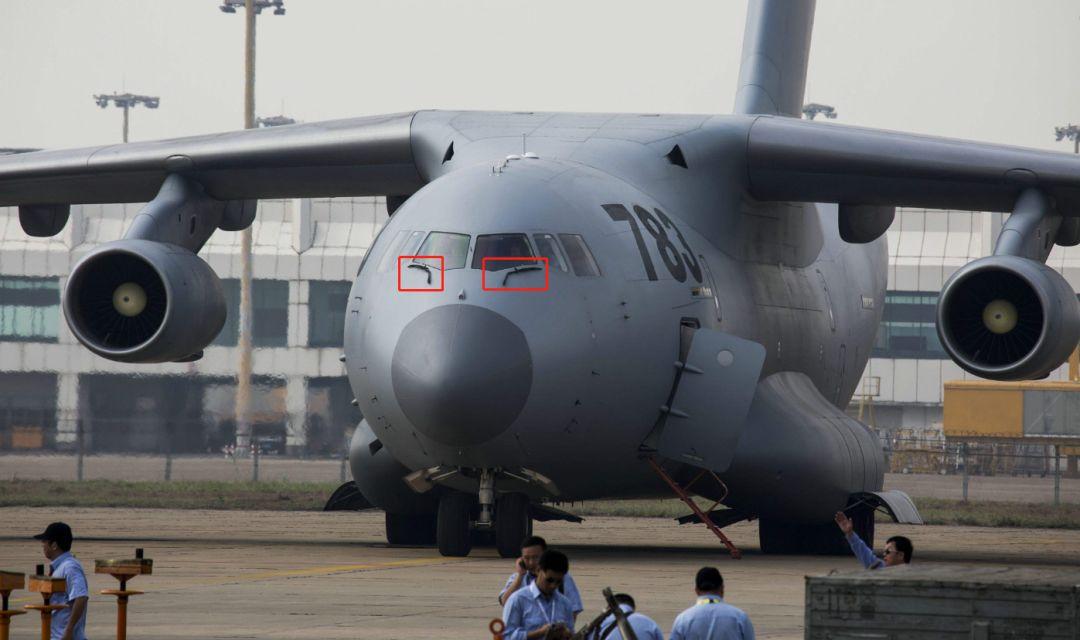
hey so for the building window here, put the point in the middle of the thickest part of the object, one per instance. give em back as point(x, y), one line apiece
point(29, 308)
point(326, 313)
point(908, 327)
point(270, 317)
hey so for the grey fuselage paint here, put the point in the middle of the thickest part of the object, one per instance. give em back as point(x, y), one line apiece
point(600, 350)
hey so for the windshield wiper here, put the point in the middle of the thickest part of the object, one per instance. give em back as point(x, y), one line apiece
point(425, 267)
point(519, 269)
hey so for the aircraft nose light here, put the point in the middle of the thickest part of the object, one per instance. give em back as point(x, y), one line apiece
point(461, 373)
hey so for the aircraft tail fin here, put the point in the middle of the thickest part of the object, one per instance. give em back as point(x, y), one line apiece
point(776, 47)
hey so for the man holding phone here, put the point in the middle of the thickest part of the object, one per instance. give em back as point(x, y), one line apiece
point(539, 611)
point(525, 569)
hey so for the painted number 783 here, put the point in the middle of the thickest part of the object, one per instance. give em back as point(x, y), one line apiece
point(658, 225)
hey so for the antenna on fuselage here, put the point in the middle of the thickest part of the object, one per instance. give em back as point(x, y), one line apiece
point(523, 144)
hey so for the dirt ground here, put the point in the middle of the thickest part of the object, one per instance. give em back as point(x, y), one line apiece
point(221, 574)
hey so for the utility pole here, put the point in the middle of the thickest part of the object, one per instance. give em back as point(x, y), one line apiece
point(813, 109)
point(243, 382)
point(126, 101)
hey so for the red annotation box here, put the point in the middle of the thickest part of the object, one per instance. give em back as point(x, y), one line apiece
point(423, 267)
point(506, 273)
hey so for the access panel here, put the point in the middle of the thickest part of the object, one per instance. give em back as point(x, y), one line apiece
point(711, 400)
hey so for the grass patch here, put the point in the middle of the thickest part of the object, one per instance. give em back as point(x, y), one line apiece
point(311, 496)
point(275, 496)
point(934, 511)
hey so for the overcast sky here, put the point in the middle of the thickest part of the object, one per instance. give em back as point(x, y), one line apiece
point(995, 70)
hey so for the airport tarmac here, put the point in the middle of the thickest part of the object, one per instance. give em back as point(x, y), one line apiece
point(257, 574)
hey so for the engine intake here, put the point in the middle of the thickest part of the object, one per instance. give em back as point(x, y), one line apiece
point(1008, 318)
point(136, 300)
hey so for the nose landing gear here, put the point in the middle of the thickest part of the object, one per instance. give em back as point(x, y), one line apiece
point(460, 515)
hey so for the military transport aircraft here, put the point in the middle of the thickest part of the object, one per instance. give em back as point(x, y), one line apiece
point(561, 301)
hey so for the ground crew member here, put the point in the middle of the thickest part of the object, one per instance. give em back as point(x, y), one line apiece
point(898, 549)
point(711, 618)
point(68, 623)
point(644, 627)
point(540, 609)
point(525, 572)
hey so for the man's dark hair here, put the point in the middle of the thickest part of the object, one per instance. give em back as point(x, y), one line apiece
point(709, 579)
point(624, 598)
point(534, 541)
point(552, 560)
point(903, 545)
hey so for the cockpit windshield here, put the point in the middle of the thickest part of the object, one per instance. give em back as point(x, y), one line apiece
point(502, 245)
point(454, 247)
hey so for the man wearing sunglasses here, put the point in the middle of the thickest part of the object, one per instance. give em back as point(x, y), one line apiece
point(540, 609)
point(898, 549)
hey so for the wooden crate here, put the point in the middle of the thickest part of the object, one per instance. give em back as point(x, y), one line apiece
point(944, 602)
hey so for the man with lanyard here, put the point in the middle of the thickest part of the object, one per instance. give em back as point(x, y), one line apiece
point(711, 618)
point(898, 549)
point(525, 572)
point(540, 611)
point(644, 627)
point(68, 623)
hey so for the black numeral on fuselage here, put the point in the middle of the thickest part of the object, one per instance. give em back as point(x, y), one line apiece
point(657, 226)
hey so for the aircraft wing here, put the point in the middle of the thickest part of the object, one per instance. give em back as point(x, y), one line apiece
point(806, 161)
point(353, 157)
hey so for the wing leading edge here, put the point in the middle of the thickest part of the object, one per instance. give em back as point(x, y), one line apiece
point(805, 161)
point(353, 157)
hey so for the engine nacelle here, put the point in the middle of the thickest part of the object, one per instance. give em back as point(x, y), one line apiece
point(380, 477)
point(1008, 318)
point(137, 300)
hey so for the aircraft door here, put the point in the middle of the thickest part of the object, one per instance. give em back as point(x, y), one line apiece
point(718, 376)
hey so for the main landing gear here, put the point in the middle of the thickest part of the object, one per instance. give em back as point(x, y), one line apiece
point(814, 539)
point(461, 515)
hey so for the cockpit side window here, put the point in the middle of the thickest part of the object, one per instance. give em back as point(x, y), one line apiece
point(454, 247)
point(405, 244)
point(581, 259)
point(502, 245)
point(548, 247)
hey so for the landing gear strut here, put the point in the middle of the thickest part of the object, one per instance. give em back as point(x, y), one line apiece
point(463, 519)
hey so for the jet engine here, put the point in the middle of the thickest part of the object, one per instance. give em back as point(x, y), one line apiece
point(136, 300)
point(1008, 318)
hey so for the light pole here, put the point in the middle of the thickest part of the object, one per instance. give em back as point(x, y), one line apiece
point(126, 101)
point(814, 109)
point(243, 375)
point(1070, 131)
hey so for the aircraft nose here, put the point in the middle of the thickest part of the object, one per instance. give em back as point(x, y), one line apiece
point(461, 373)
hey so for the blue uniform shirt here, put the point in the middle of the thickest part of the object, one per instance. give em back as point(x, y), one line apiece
point(644, 627)
point(528, 609)
point(568, 588)
point(864, 553)
point(67, 567)
point(712, 619)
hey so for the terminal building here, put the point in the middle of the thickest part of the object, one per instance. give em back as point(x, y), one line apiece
point(305, 255)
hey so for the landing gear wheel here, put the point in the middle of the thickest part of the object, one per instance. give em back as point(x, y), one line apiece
point(453, 528)
point(791, 538)
point(410, 529)
point(512, 523)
